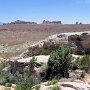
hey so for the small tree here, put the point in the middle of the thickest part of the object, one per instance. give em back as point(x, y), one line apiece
point(31, 65)
point(60, 62)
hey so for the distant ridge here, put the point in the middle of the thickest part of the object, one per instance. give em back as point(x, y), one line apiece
point(1, 23)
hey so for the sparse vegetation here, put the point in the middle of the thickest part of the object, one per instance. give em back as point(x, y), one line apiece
point(27, 83)
point(6, 88)
point(55, 87)
point(43, 68)
point(2, 66)
point(37, 87)
point(60, 62)
point(49, 83)
point(8, 84)
point(83, 63)
point(54, 82)
point(45, 52)
point(18, 87)
point(57, 68)
point(31, 65)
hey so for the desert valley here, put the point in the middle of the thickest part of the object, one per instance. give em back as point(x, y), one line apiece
point(46, 56)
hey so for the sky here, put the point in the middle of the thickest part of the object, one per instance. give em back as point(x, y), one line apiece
point(67, 11)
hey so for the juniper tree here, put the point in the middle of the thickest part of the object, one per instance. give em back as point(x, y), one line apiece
point(60, 62)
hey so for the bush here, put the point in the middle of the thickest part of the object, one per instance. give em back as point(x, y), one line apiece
point(2, 66)
point(37, 87)
point(43, 71)
point(55, 87)
point(43, 68)
point(45, 52)
point(49, 83)
point(60, 62)
point(8, 77)
point(8, 84)
point(54, 82)
point(82, 63)
point(27, 83)
point(76, 64)
point(18, 87)
point(3, 81)
point(18, 77)
point(31, 65)
point(6, 88)
point(85, 62)
point(5, 75)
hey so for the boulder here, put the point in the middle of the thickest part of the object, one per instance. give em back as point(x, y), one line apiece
point(77, 74)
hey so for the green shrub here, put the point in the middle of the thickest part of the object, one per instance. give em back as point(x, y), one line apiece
point(82, 63)
point(43, 68)
point(8, 77)
point(18, 87)
point(43, 71)
point(55, 87)
point(49, 83)
point(31, 65)
point(45, 52)
point(8, 84)
point(2, 66)
point(37, 87)
point(85, 62)
point(76, 64)
point(60, 63)
point(6, 88)
point(5, 75)
point(54, 82)
point(27, 83)
point(3, 81)
point(18, 77)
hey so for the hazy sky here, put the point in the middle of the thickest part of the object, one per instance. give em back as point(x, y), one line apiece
point(68, 11)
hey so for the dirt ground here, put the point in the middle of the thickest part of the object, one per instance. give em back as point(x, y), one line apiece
point(16, 38)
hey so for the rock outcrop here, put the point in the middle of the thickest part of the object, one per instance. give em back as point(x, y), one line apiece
point(66, 86)
point(78, 41)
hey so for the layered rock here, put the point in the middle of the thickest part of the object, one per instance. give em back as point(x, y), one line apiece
point(78, 41)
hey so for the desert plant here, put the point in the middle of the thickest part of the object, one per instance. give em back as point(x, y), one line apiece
point(31, 65)
point(5, 73)
point(37, 87)
point(18, 87)
point(27, 83)
point(8, 84)
point(6, 88)
point(3, 81)
point(18, 77)
point(60, 62)
point(55, 87)
point(8, 76)
point(45, 52)
point(85, 63)
point(43, 71)
point(43, 68)
point(49, 83)
point(76, 64)
point(2, 66)
point(54, 82)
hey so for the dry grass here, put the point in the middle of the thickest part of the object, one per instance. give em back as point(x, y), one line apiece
point(87, 78)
